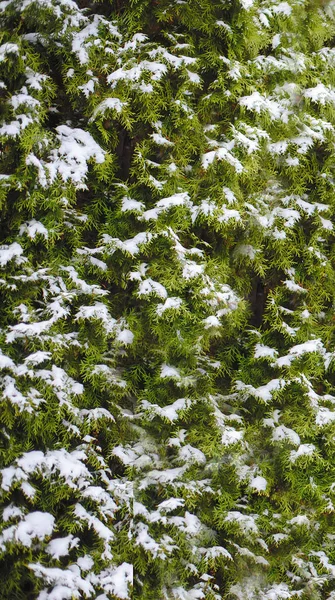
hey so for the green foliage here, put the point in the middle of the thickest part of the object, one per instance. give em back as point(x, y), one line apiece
point(167, 292)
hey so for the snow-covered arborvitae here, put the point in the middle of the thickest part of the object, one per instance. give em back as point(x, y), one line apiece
point(66, 501)
point(167, 300)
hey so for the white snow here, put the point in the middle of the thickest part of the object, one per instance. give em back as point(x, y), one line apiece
point(252, 588)
point(83, 286)
point(94, 414)
point(11, 512)
point(167, 476)
point(258, 103)
point(33, 228)
point(211, 321)
point(116, 581)
point(262, 351)
point(6, 362)
point(170, 504)
point(7, 253)
point(247, 523)
point(263, 392)
point(292, 286)
point(165, 204)
point(175, 61)
point(97, 311)
point(167, 371)
point(245, 250)
point(61, 546)
point(70, 466)
point(8, 48)
point(324, 416)
point(303, 450)
point(134, 74)
point(305, 314)
point(149, 286)
point(279, 537)
point(169, 412)
point(300, 520)
point(104, 532)
point(28, 490)
point(192, 269)
point(172, 303)
point(14, 128)
point(70, 160)
point(83, 38)
point(215, 552)
point(258, 483)
point(129, 204)
point(292, 161)
point(283, 8)
point(189, 523)
point(35, 525)
point(326, 224)
point(276, 40)
point(88, 87)
point(146, 541)
point(85, 562)
point(24, 99)
point(301, 349)
point(65, 583)
point(222, 153)
point(160, 140)
point(76, 149)
point(231, 435)
point(321, 94)
point(193, 77)
point(192, 455)
point(131, 246)
point(125, 336)
point(229, 195)
point(15, 396)
point(179, 593)
point(283, 433)
point(108, 104)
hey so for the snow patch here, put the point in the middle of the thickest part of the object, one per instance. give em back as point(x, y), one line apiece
point(303, 450)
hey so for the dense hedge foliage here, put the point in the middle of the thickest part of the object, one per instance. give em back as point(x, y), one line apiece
point(167, 296)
